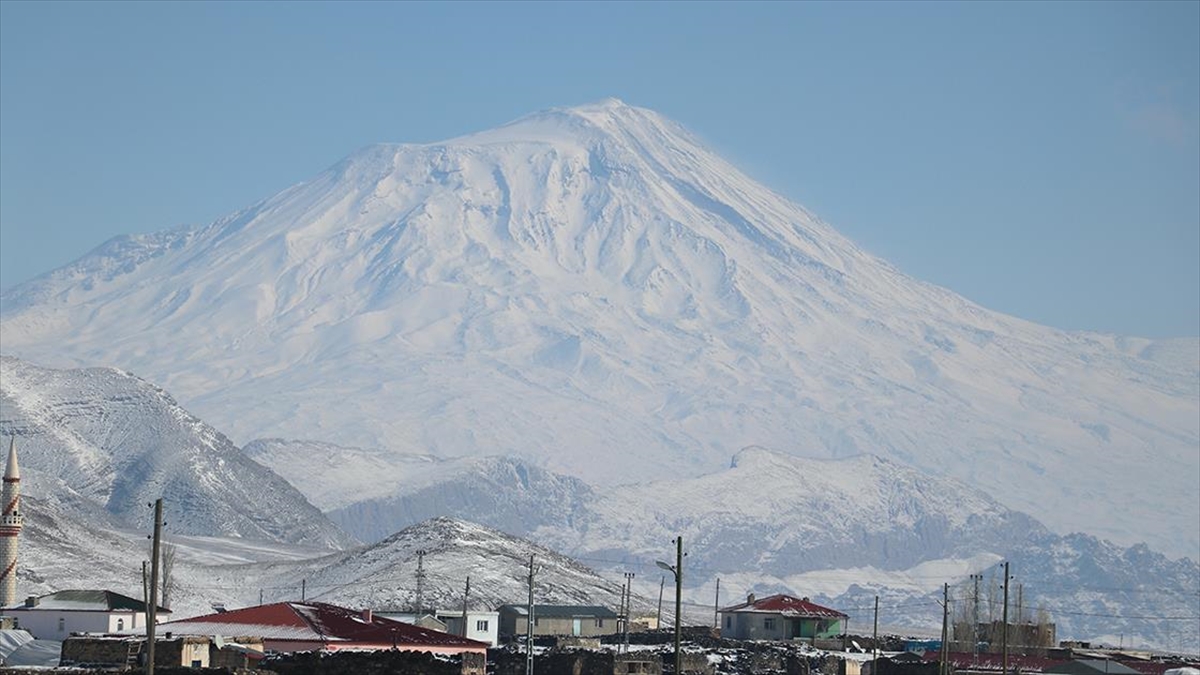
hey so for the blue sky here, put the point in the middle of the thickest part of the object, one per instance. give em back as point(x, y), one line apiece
point(1040, 159)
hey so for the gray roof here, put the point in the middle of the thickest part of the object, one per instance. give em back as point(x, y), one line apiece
point(85, 601)
point(562, 611)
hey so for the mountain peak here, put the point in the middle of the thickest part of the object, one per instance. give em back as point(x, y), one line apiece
point(610, 122)
point(584, 281)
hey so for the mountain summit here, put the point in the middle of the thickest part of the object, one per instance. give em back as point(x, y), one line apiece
point(594, 290)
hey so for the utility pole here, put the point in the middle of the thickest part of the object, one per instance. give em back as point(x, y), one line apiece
point(662, 580)
point(1004, 640)
point(420, 582)
point(875, 637)
point(677, 570)
point(152, 609)
point(145, 587)
point(628, 605)
point(678, 603)
point(621, 613)
point(529, 625)
point(717, 606)
point(303, 590)
point(1020, 608)
point(975, 621)
point(945, 628)
point(466, 594)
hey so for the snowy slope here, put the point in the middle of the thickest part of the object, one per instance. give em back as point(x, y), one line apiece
point(779, 515)
point(384, 575)
point(593, 290)
point(394, 490)
point(840, 531)
point(105, 438)
point(1087, 585)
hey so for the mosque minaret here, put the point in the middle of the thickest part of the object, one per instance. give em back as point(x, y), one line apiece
point(10, 528)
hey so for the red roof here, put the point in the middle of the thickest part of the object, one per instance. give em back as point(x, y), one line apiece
point(787, 605)
point(317, 621)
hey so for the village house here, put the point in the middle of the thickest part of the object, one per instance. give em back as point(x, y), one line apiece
point(58, 615)
point(574, 620)
point(780, 617)
point(305, 626)
point(480, 625)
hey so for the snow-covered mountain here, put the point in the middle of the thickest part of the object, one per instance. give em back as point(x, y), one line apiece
point(384, 575)
point(106, 439)
point(395, 490)
point(840, 531)
point(592, 289)
point(778, 515)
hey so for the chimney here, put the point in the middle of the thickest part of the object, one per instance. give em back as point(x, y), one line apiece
point(31, 601)
point(367, 616)
point(750, 598)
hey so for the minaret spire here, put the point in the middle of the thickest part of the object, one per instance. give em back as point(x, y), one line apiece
point(11, 521)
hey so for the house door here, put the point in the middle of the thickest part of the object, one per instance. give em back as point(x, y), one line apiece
point(577, 627)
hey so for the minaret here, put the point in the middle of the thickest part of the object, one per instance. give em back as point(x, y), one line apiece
point(10, 527)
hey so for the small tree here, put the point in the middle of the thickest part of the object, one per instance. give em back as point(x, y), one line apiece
point(1045, 632)
point(166, 573)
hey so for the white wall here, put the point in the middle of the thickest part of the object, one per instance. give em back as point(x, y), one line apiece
point(490, 634)
point(752, 626)
point(43, 624)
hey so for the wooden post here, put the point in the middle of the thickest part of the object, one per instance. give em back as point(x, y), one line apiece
point(152, 610)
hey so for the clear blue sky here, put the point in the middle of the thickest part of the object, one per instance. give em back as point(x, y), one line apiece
point(1040, 159)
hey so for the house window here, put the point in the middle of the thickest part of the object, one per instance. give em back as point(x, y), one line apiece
point(769, 623)
point(729, 622)
point(481, 625)
point(536, 619)
point(62, 624)
point(120, 624)
point(599, 623)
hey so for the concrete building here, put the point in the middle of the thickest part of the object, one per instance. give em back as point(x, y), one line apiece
point(11, 522)
point(58, 615)
point(307, 626)
point(575, 620)
point(480, 625)
point(780, 617)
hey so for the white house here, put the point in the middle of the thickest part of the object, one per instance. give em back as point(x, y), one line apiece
point(57, 615)
point(483, 626)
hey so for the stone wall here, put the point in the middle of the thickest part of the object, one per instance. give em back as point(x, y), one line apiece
point(375, 663)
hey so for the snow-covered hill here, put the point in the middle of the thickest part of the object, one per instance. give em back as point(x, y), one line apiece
point(840, 531)
point(106, 439)
point(592, 289)
point(778, 515)
point(384, 575)
point(395, 490)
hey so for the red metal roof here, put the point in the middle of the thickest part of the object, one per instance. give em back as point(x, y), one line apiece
point(329, 623)
point(787, 605)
